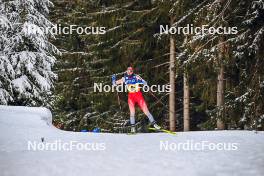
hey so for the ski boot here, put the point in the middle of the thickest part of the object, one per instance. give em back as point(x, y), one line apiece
point(133, 129)
point(155, 125)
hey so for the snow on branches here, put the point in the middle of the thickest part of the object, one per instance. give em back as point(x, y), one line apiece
point(26, 55)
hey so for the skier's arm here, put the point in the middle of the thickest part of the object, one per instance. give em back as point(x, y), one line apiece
point(116, 82)
point(140, 80)
point(120, 81)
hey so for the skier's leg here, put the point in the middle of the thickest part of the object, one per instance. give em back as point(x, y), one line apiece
point(131, 105)
point(143, 106)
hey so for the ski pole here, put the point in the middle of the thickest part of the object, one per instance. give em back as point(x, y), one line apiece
point(118, 99)
point(157, 99)
point(114, 83)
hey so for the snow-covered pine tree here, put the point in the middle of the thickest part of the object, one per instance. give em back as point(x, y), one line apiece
point(242, 60)
point(26, 53)
point(5, 65)
point(75, 106)
point(208, 56)
point(247, 99)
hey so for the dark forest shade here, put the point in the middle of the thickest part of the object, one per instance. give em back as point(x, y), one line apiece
point(132, 37)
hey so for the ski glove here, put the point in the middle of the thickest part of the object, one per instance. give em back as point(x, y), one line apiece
point(114, 79)
point(141, 81)
point(144, 82)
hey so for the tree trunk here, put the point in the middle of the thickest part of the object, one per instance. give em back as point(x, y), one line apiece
point(220, 90)
point(172, 118)
point(186, 103)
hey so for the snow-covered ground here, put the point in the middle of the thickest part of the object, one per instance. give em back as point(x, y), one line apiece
point(124, 155)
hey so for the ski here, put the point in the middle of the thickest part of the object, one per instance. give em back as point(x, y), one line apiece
point(163, 130)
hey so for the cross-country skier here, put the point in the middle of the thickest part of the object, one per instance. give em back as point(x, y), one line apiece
point(135, 96)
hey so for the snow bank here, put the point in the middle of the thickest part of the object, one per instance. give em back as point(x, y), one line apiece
point(124, 155)
point(42, 112)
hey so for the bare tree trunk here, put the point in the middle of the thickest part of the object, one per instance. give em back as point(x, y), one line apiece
point(220, 82)
point(220, 89)
point(186, 103)
point(172, 118)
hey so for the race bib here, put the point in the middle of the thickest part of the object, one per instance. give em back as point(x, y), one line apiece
point(133, 87)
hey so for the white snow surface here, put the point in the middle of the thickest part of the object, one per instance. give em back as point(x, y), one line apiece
point(124, 155)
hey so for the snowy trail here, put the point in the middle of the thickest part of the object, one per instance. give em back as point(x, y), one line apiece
point(130, 155)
